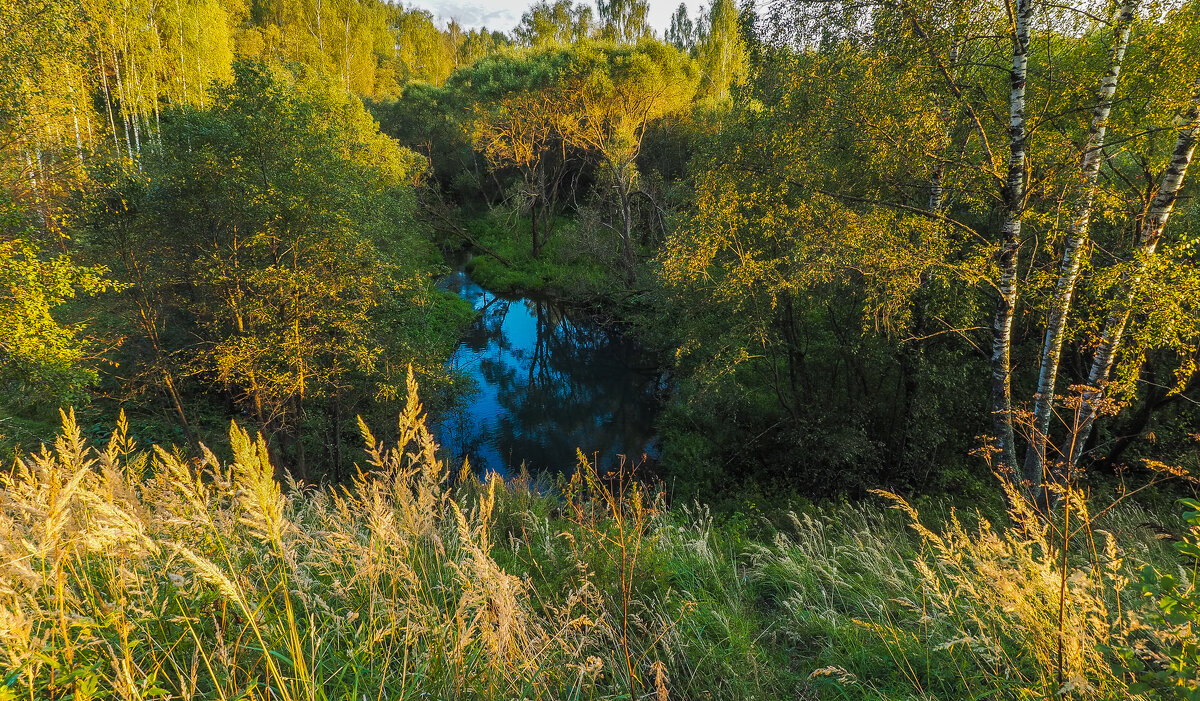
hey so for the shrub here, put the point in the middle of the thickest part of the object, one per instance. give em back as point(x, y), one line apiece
point(1164, 649)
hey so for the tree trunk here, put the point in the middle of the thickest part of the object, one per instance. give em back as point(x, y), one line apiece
point(75, 115)
point(347, 73)
point(1077, 237)
point(298, 435)
point(1152, 228)
point(177, 404)
point(124, 108)
point(937, 181)
point(623, 176)
point(1010, 242)
point(537, 209)
point(337, 436)
point(182, 61)
point(1159, 398)
point(108, 103)
point(536, 246)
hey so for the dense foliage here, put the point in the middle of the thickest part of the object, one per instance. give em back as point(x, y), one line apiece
point(292, 278)
point(868, 249)
point(849, 227)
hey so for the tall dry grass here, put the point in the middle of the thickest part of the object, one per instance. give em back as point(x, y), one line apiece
point(133, 574)
point(1040, 606)
point(136, 574)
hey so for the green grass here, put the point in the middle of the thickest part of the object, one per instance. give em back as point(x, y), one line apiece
point(134, 573)
point(570, 265)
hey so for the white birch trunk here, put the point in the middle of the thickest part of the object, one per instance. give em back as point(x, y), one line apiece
point(1153, 225)
point(199, 68)
point(937, 182)
point(108, 104)
point(182, 61)
point(1077, 237)
point(31, 173)
point(139, 111)
point(320, 32)
point(74, 116)
point(347, 74)
point(156, 68)
point(124, 110)
point(1010, 243)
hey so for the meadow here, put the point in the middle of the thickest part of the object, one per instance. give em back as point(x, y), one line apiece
point(137, 573)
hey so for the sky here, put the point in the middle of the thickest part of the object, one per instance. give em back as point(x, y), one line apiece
point(504, 14)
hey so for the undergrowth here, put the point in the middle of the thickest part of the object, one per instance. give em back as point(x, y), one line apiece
point(572, 264)
point(134, 574)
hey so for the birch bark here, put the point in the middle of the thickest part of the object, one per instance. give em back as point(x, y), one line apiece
point(1153, 224)
point(1077, 236)
point(1010, 243)
point(108, 102)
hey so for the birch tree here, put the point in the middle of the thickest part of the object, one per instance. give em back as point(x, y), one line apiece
point(1154, 222)
point(720, 50)
point(624, 21)
point(1091, 158)
point(682, 32)
point(974, 121)
point(561, 22)
point(1010, 241)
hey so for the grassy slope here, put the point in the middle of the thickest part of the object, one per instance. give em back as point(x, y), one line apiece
point(566, 266)
point(122, 573)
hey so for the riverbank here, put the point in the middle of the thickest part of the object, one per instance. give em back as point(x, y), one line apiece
point(126, 574)
point(571, 267)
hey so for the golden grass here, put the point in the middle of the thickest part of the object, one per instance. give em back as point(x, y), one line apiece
point(130, 575)
point(135, 574)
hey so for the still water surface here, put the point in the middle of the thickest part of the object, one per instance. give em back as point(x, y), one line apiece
point(548, 382)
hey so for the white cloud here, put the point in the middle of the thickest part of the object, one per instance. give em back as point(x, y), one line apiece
point(493, 14)
point(504, 14)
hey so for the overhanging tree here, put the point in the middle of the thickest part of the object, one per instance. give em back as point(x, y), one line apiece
point(613, 93)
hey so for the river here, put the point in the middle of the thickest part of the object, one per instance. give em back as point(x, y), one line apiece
point(548, 381)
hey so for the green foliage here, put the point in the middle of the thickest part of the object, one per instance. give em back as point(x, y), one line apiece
point(721, 50)
point(827, 289)
point(425, 120)
point(614, 92)
point(296, 276)
point(682, 32)
point(624, 21)
point(567, 266)
point(1167, 658)
point(561, 22)
point(42, 359)
point(540, 111)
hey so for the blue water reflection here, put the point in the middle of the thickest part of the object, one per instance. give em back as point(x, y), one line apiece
point(547, 384)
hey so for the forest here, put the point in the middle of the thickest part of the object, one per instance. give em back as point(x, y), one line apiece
point(819, 349)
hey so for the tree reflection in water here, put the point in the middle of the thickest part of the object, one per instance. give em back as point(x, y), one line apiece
point(547, 384)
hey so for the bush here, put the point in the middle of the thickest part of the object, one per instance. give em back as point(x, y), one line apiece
point(1164, 649)
point(563, 267)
